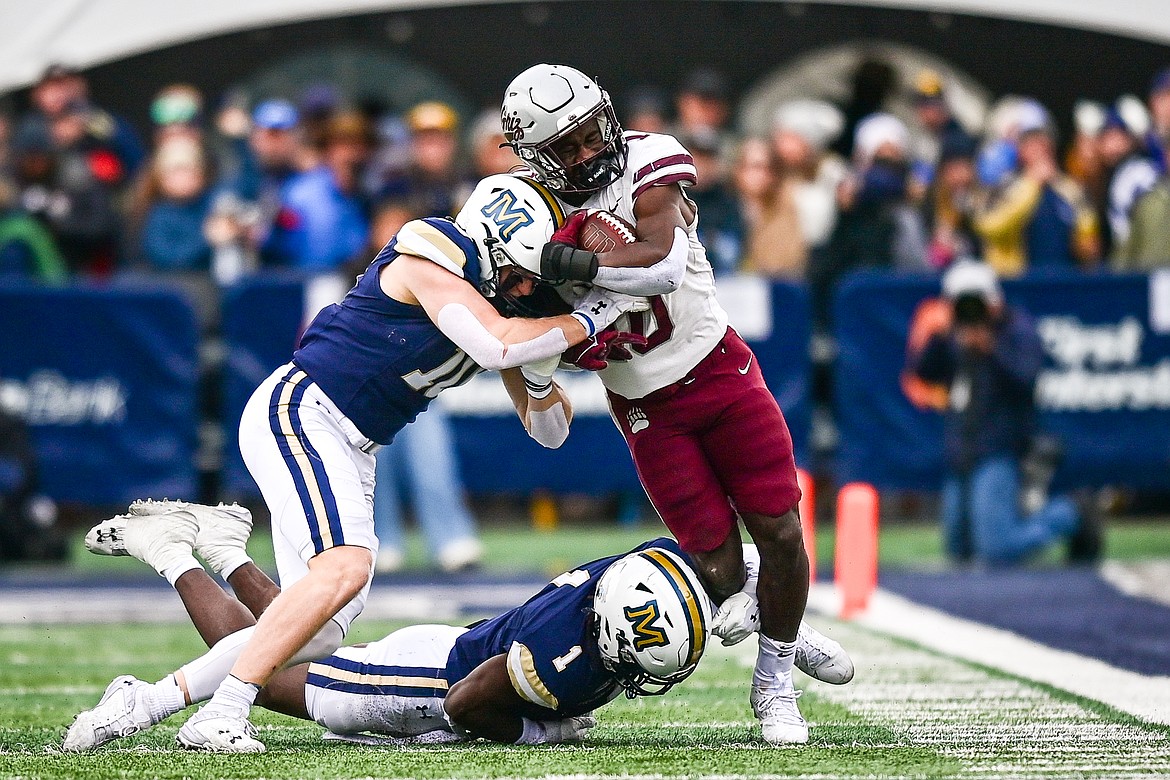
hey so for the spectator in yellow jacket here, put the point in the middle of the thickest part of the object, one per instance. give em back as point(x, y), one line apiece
point(1040, 218)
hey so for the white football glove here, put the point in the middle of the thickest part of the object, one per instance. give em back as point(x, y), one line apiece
point(600, 308)
point(568, 730)
point(556, 732)
point(737, 618)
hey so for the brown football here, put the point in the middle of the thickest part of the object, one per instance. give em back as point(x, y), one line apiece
point(604, 231)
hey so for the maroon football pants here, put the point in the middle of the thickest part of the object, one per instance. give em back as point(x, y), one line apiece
point(710, 445)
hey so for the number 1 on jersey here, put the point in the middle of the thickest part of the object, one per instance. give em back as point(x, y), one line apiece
point(562, 661)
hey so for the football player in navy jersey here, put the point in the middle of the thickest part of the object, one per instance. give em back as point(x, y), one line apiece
point(636, 623)
point(423, 317)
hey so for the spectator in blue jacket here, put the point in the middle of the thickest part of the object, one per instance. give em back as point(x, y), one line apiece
point(989, 359)
point(323, 209)
point(174, 205)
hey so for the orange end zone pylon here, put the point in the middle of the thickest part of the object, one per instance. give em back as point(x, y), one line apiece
point(857, 546)
point(808, 519)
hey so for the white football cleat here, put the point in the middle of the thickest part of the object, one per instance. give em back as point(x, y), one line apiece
point(147, 507)
point(779, 716)
point(122, 711)
point(821, 658)
point(223, 530)
point(216, 732)
point(156, 542)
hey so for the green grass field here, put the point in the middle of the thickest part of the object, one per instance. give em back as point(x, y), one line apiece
point(910, 713)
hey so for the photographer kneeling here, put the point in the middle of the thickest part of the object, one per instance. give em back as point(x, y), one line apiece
point(988, 359)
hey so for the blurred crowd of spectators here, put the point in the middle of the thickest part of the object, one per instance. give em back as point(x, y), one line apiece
point(312, 183)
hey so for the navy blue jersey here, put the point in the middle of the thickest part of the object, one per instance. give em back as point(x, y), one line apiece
point(382, 361)
point(553, 660)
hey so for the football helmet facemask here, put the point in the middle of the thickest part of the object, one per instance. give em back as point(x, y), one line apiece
point(652, 620)
point(547, 103)
point(510, 218)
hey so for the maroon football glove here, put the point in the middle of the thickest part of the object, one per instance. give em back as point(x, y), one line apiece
point(594, 353)
point(570, 232)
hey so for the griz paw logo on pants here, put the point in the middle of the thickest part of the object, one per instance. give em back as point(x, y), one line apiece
point(637, 419)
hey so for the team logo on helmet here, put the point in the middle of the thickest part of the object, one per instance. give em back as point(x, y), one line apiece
point(514, 127)
point(506, 214)
point(642, 619)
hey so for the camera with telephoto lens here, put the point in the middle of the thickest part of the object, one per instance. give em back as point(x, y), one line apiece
point(971, 309)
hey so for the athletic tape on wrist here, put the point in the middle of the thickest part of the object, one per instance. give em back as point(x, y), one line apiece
point(538, 390)
point(590, 328)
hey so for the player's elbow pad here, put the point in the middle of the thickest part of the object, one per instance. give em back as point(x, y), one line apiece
point(549, 427)
point(674, 265)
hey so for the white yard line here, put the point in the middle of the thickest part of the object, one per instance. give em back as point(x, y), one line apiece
point(387, 601)
point(994, 726)
point(1147, 697)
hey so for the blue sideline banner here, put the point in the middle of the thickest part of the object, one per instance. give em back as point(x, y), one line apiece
point(1104, 389)
point(261, 321)
point(263, 317)
point(107, 381)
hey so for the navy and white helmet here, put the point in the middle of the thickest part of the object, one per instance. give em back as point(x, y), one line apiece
point(510, 218)
point(548, 102)
point(653, 619)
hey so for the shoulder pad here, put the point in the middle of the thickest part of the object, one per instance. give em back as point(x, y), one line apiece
point(437, 240)
point(656, 158)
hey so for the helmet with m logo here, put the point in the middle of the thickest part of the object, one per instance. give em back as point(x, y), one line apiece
point(653, 620)
point(510, 218)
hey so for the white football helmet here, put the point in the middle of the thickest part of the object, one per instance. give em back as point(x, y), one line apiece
point(652, 620)
point(510, 218)
point(548, 102)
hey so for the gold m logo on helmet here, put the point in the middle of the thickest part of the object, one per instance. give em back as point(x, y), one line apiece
point(642, 618)
point(508, 215)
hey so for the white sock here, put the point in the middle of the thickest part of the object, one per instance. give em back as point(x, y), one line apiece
point(205, 673)
point(773, 664)
point(165, 698)
point(174, 567)
point(233, 697)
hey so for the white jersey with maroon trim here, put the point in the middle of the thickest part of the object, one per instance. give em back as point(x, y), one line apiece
point(685, 325)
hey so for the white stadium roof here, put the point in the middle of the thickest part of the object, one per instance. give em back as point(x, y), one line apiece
point(84, 33)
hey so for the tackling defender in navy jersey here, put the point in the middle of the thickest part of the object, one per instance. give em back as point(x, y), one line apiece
point(636, 623)
point(421, 319)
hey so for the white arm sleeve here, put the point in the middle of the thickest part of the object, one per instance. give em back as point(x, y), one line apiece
point(549, 427)
point(461, 326)
point(662, 278)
